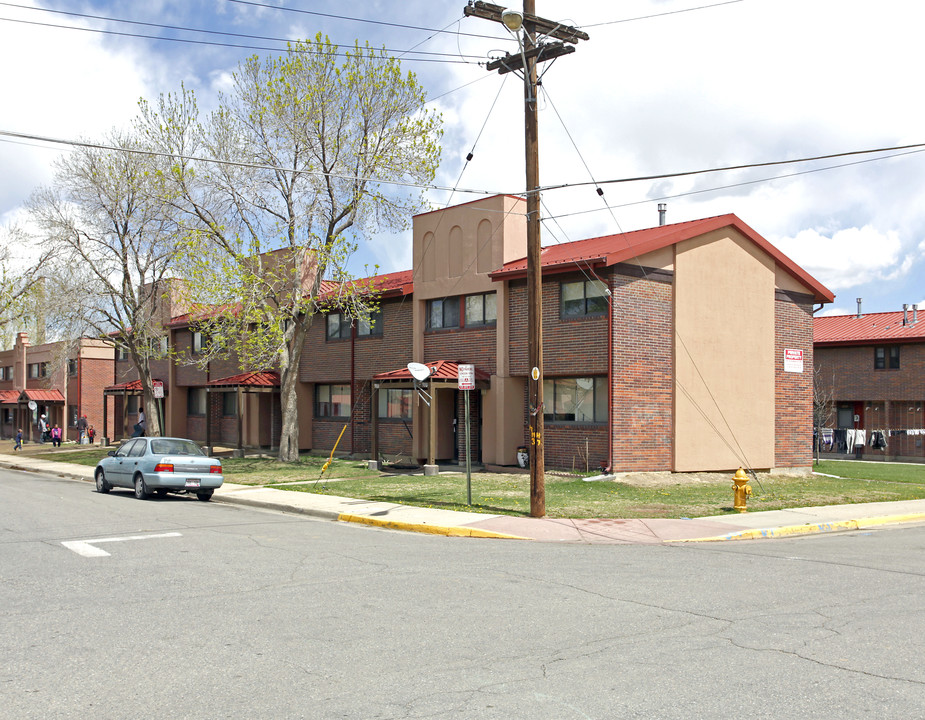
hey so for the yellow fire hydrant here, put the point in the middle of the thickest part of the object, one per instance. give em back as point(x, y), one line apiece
point(742, 490)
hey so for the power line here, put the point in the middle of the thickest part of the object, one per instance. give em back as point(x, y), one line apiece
point(657, 15)
point(184, 28)
point(213, 43)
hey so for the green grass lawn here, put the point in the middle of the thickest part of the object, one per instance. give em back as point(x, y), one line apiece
point(567, 496)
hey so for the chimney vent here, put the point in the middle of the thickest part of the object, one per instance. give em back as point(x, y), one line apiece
point(915, 313)
point(859, 308)
point(662, 210)
point(905, 314)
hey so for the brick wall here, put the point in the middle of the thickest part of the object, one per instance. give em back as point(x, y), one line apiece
point(476, 346)
point(850, 372)
point(643, 374)
point(793, 392)
point(95, 375)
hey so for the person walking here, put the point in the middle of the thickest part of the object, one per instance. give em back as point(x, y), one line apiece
point(142, 422)
point(56, 436)
point(43, 429)
point(91, 433)
point(18, 445)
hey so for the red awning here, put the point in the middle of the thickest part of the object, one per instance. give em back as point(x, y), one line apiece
point(250, 379)
point(9, 397)
point(129, 388)
point(42, 396)
point(439, 370)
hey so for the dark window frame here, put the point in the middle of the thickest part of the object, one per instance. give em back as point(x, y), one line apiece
point(483, 320)
point(371, 327)
point(598, 414)
point(451, 313)
point(407, 400)
point(588, 305)
point(230, 398)
point(343, 328)
point(329, 408)
point(887, 357)
point(197, 393)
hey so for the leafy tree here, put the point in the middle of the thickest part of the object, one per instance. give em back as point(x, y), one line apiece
point(314, 144)
point(113, 241)
point(22, 286)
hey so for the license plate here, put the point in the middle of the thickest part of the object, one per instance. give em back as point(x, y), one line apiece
point(192, 483)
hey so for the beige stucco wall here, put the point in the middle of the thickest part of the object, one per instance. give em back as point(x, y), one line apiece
point(724, 353)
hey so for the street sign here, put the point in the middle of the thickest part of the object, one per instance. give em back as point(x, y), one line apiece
point(158, 389)
point(466, 376)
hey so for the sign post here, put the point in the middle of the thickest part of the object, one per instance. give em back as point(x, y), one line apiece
point(159, 396)
point(466, 377)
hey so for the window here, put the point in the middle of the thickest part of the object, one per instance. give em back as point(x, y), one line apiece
point(131, 404)
point(332, 401)
point(7, 416)
point(395, 403)
point(3, 374)
point(200, 342)
point(338, 326)
point(578, 400)
point(886, 357)
point(159, 346)
point(481, 309)
point(38, 370)
point(72, 415)
point(373, 326)
point(121, 353)
point(230, 403)
point(138, 449)
point(586, 297)
point(443, 313)
point(71, 367)
point(196, 401)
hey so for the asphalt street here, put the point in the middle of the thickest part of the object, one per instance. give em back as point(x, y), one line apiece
point(173, 608)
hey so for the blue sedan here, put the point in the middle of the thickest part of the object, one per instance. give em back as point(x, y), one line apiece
point(160, 465)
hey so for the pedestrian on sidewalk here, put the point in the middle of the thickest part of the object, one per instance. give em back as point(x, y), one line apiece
point(18, 445)
point(81, 429)
point(91, 433)
point(43, 429)
point(56, 436)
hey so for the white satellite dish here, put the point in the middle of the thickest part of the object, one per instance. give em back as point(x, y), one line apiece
point(419, 371)
point(32, 405)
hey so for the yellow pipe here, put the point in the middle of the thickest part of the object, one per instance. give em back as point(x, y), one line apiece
point(333, 450)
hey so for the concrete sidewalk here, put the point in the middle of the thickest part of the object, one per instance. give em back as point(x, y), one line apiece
point(745, 526)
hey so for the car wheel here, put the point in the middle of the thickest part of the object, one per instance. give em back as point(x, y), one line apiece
point(141, 491)
point(204, 495)
point(101, 485)
point(161, 492)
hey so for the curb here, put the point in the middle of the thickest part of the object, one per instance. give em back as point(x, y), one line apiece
point(448, 530)
point(811, 528)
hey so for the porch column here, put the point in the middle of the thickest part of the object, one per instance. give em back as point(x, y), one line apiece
point(240, 406)
point(374, 428)
point(431, 467)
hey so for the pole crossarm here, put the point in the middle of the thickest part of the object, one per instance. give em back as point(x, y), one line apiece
point(550, 28)
point(542, 53)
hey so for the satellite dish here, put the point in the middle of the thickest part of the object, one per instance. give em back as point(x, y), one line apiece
point(32, 405)
point(419, 371)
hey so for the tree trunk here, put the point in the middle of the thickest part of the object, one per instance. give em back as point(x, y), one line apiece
point(288, 383)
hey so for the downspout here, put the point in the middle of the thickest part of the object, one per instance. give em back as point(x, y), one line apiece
point(610, 408)
point(353, 427)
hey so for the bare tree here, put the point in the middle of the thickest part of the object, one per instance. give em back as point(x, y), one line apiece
point(310, 142)
point(113, 239)
point(823, 405)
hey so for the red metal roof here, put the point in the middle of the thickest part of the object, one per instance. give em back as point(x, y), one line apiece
point(43, 395)
point(9, 397)
point(869, 328)
point(439, 370)
point(625, 247)
point(249, 379)
point(129, 387)
point(388, 284)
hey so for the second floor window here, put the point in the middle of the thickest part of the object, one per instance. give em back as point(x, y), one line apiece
point(481, 309)
point(71, 367)
point(585, 297)
point(443, 313)
point(200, 342)
point(338, 326)
point(38, 370)
point(886, 357)
point(332, 401)
point(373, 326)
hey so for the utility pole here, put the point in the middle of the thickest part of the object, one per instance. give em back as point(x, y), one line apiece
point(527, 27)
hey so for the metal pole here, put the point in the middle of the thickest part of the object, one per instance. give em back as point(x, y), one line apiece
point(468, 456)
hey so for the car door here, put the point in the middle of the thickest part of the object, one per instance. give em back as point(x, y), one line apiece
point(133, 461)
point(117, 469)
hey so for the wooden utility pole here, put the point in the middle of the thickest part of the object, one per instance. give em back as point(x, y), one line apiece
point(528, 27)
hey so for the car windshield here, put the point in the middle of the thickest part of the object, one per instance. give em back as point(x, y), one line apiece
point(170, 446)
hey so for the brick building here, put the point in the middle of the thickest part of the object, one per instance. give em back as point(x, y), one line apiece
point(64, 380)
point(871, 368)
point(664, 349)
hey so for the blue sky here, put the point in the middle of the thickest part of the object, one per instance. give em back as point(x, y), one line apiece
point(660, 87)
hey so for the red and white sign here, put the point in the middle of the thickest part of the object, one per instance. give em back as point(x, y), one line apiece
point(158, 389)
point(466, 376)
point(793, 360)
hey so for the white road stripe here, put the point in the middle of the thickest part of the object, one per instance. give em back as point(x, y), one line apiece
point(87, 547)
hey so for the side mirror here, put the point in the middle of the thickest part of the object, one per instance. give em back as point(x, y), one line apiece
point(111, 453)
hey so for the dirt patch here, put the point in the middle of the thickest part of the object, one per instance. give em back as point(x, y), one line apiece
point(661, 479)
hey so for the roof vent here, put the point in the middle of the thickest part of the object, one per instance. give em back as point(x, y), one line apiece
point(915, 313)
point(662, 211)
point(859, 308)
point(905, 314)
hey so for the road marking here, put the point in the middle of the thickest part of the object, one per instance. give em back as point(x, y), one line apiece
point(87, 548)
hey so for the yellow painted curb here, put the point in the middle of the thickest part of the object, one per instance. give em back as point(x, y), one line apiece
point(429, 529)
point(812, 528)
